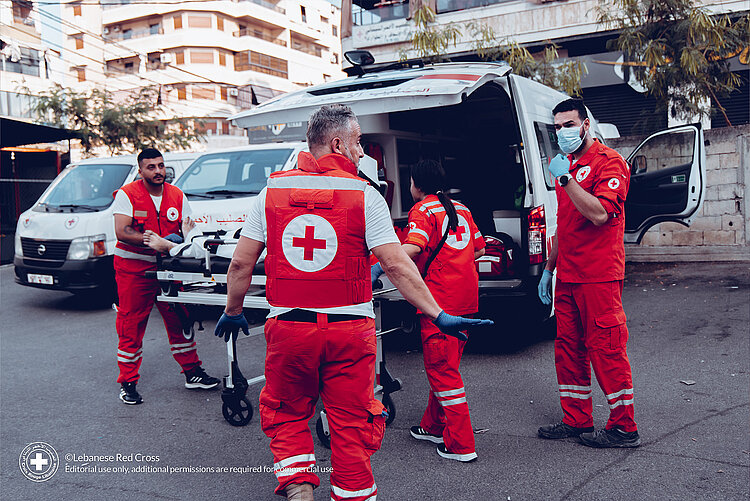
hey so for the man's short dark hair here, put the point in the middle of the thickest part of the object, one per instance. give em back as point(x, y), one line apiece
point(572, 104)
point(148, 153)
point(328, 122)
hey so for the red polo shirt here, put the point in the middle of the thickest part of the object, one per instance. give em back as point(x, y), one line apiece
point(587, 253)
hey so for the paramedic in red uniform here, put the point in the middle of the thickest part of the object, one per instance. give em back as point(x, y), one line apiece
point(588, 251)
point(141, 207)
point(319, 223)
point(452, 278)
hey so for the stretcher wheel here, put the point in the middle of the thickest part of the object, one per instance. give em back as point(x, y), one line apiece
point(390, 407)
point(235, 418)
point(325, 438)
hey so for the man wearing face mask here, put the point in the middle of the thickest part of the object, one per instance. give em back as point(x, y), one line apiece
point(589, 254)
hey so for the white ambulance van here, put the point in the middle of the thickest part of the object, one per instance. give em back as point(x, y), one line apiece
point(67, 239)
point(494, 134)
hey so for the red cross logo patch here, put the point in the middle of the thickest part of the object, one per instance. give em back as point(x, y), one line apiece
point(309, 243)
point(460, 238)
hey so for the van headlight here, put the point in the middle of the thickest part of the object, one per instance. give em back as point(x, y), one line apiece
point(87, 247)
point(19, 248)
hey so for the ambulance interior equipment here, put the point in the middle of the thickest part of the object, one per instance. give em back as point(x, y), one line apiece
point(195, 279)
point(66, 240)
point(494, 134)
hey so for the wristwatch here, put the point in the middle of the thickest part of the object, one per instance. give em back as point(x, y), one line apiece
point(564, 179)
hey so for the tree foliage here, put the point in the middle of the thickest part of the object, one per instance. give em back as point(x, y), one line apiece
point(678, 51)
point(431, 41)
point(126, 124)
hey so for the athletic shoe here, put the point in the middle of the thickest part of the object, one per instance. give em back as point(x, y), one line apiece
point(420, 434)
point(129, 395)
point(611, 438)
point(198, 379)
point(562, 430)
point(464, 458)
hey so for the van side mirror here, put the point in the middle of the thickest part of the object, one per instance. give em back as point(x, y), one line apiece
point(359, 57)
point(639, 164)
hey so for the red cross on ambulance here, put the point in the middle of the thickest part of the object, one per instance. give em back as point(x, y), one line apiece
point(460, 238)
point(309, 242)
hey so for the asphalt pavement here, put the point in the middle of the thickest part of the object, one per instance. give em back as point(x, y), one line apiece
point(689, 345)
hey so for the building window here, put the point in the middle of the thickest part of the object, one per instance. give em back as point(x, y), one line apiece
point(79, 41)
point(127, 34)
point(27, 64)
point(77, 10)
point(153, 29)
point(334, 30)
point(220, 23)
point(255, 61)
point(204, 93)
point(202, 56)
point(181, 92)
point(177, 22)
point(129, 67)
point(80, 74)
point(199, 21)
point(323, 19)
point(222, 59)
point(223, 91)
point(304, 13)
point(335, 58)
point(179, 57)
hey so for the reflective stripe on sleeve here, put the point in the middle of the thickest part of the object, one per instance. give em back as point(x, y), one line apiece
point(621, 402)
point(449, 393)
point(133, 255)
point(580, 396)
point(574, 387)
point(282, 468)
point(455, 401)
point(626, 391)
point(343, 493)
point(420, 232)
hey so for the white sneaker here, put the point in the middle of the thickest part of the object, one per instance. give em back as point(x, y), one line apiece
point(464, 458)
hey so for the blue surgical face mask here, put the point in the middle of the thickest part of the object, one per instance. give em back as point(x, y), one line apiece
point(569, 139)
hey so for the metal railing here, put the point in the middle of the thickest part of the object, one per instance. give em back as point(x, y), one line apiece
point(455, 5)
point(249, 32)
point(132, 34)
point(309, 50)
point(267, 5)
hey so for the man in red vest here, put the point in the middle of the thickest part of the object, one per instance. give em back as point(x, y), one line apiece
point(319, 223)
point(144, 206)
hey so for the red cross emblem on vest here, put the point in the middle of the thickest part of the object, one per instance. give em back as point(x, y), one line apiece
point(309, 242)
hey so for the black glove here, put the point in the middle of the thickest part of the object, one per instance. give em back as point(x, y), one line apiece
point(231, 325)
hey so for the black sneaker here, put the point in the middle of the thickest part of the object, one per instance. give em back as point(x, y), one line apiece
point(562, 430)
point(464, 458)
point(611, 438)
point(420, 434)
point(129, 395)
point(198, 379)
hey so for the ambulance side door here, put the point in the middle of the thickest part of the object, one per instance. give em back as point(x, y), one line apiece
point(667, 180)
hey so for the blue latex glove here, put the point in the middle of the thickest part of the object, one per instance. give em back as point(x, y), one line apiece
point(230, 325)
point(559, 165)
point(174, 238)
point(448, 324)
point(545, 287)
point(375, 272)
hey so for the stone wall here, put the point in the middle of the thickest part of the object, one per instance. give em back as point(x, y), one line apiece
point(721, 229)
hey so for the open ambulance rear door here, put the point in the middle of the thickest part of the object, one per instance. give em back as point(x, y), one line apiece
point(667, 180)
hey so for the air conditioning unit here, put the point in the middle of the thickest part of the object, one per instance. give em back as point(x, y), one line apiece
point(105, 30)
point(234, 92)
point(334, 60)
point(116, 28)
point(165, 58)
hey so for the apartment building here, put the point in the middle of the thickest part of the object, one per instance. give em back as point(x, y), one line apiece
point(385, 28)
point(208, 59)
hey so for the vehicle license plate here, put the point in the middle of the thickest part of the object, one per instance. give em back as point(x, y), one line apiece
point(41, 279)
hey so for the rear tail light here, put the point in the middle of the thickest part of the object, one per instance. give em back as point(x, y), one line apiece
point(537, 235)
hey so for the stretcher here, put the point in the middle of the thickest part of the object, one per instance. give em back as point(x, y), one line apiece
point(195, 278)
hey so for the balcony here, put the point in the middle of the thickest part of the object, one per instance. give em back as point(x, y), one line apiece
point(313, 51)
point(383, 10)
point(132, 34)
point(267, 5)
point(249, 32)
point(455, 5)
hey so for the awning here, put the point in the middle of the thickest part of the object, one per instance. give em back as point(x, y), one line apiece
point(14, 132)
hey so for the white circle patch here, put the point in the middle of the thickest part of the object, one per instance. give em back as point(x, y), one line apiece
point(38, 461)
point(309, 243)
point(71, 222)
point(172, 214)
point(460, 238)
point(613, 183)
point(583, 173)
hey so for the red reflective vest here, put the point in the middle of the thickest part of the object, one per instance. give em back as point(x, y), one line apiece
point(317, 253)
point(145, 217)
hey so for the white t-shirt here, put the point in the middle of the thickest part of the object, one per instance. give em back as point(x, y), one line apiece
point(378, 231)
point(122, 204)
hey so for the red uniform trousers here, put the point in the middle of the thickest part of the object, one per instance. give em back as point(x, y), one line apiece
point(336, 361)
point(591, 330)
point(137, 296)
point(447, 412)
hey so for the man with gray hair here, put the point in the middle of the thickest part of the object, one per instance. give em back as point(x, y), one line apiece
point(319, 223)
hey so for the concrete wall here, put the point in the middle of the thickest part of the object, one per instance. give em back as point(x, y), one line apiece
point(721, 229)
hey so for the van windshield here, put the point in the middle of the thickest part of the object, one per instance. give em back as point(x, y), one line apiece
point(231, 174)
point(86, 187)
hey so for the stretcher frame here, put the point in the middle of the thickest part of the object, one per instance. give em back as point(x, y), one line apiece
point(204, 288)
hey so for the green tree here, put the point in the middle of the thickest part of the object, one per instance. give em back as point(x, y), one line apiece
point(125, 124)
point(431, 41)
point(677, 51)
